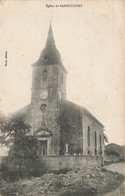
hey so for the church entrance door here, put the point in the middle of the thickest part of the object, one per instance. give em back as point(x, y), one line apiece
point(43, 147)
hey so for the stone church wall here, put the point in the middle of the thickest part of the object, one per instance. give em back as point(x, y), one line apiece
point(70, 129)
point(93, 126)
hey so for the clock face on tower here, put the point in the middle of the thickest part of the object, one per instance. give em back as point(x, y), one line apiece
point(44, 94)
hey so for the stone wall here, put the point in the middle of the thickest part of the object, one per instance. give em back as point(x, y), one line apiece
point(54, 163)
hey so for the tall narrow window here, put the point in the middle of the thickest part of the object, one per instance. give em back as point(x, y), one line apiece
point(88, 136)
point(62, 78)
point(100, 141)
point(44, 76)
point(95, 143)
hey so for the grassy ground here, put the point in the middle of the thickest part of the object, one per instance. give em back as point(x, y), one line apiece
point(90, 181)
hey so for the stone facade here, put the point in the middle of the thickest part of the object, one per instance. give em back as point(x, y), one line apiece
point(48, 87)
point(80, 129)
point(62, 127)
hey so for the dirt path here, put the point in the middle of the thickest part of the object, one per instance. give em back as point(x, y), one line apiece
point(117, 167)
point(120, 168)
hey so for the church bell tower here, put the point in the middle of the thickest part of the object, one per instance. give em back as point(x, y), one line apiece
point(48, 88)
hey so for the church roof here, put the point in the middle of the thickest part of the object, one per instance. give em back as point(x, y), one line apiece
point(22, 110)
point(50, 55)
point(68, 105)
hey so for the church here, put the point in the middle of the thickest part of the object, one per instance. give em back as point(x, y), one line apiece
point(67, 133)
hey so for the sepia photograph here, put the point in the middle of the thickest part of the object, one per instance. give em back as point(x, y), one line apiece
point(62, 110)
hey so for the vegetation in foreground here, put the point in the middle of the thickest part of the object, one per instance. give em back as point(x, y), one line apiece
point(22, 156)
point(88, 181)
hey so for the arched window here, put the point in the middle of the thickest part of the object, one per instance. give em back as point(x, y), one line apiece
point(88, 136)
point(95, 143)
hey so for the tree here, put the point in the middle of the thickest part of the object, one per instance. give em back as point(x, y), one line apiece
point(11, 128)
point(22, 158)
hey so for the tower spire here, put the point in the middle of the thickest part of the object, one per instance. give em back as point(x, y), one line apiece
point(50, 39)
point(50, 55)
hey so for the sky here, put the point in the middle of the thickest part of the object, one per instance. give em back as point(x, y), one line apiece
point(91, 43)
